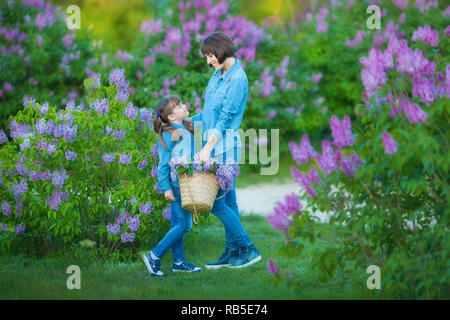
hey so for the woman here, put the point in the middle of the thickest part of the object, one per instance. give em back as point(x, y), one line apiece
point(225, 98)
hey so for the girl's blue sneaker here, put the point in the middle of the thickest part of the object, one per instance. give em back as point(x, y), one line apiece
point(152, 265)
point(185, 267)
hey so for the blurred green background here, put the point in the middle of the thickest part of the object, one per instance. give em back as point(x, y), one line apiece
point(117, 21)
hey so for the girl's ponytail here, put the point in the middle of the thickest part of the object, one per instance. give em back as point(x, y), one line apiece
point(161, 122)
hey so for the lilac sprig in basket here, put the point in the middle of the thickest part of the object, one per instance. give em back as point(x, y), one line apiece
point(200, 181)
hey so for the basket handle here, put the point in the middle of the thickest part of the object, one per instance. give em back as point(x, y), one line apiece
point(222, 195)
point(194, 215)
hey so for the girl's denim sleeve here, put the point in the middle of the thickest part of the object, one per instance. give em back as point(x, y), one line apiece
point(233, 103)
point(163, 165)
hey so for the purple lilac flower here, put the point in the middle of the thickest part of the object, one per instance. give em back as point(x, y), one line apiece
point(119, 135)
point(143, 164)
point(154, 172)
point(426, 34)
point(389, 144)
point(306, 180)
point(166, 213)
point(59, 178)
point(303, 153)
point(46, 176)
point(350, 164)
point(20, 228)
point(447, 31)
point(3, 137)
point(35, 175)
point(41, 127)
point(357, 40)
point(130, 111)
point(117, 77)
point(55, 199)
point(155, 150)
point(424, 88)
point(70, 155)
point(108, 158)
point(175, 163)
point(4, 227)
point(20, 188)
point(6, 208)
point(70, 133)
point(133, 223)
point(21, 169)
point(146, 208)
point(280, 219)
point(102, 107)
point(59, 130)
point(68, 39)
point(125, 158)
point(122, 217)
point(155, 187)
point(150, 27)
point(401, 4)
point(413, 111)
point(113, 228)
point(145, 115)
point(272, 267)
point(341, 131)
point(316, 77)
point(19, 207)
point(133, 200)
point(225, 174)
point(122, 95)
point(373, 75)
point(327, 161)
point(127, 237)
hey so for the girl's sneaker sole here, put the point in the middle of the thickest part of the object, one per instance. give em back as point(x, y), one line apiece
point(188, 271)
point(257, 259)
point(149, 268)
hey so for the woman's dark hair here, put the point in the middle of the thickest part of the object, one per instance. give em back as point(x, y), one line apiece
point(218, 44)
point(161, 122)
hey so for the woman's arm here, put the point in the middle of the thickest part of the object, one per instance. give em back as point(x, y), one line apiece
point(197, 117)
point(231, 105)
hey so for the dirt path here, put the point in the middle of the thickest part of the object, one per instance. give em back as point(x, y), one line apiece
point(261, 199)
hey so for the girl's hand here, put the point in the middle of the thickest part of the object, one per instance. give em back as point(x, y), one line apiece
point(169, 195)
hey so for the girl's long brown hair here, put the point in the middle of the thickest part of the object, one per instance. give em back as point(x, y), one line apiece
point(161, 122)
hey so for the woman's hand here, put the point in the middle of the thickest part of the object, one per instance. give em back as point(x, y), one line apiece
point(205, 153)
point(169, 195)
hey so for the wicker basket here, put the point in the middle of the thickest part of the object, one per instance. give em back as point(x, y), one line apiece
point(198, 192)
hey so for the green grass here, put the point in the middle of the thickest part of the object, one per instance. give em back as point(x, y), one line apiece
point(30, 278)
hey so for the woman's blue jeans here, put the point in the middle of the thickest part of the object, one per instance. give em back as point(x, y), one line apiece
point(180, 224)
point(227, 211)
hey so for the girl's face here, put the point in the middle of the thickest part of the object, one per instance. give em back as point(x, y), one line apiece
point(212, 60)
point(179, 113)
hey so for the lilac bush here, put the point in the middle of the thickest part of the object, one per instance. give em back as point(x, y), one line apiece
point(81, 172)
point(40, 58)
point(381, 177)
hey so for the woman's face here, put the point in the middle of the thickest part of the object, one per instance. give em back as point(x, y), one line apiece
point(212, 60)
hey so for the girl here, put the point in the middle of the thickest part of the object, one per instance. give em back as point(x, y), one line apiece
point(175, 139)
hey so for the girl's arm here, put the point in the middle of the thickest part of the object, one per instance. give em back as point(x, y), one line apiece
point(163, 165)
